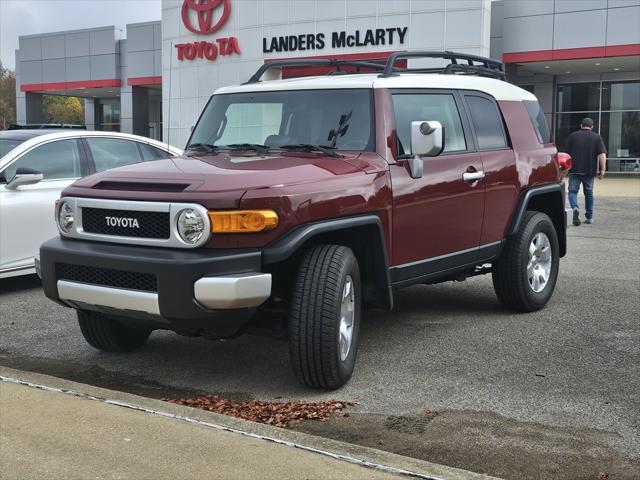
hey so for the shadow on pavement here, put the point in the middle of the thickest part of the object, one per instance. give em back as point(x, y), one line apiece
point(23, 282)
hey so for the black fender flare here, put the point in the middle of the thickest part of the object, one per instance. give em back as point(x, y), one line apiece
point(557, 216)
point(290, 243)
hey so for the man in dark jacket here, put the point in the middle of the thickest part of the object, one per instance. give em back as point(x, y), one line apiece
point(589, 157)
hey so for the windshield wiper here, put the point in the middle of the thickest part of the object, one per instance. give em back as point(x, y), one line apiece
point(208, 147)
point(263, 149)
point(312, 147)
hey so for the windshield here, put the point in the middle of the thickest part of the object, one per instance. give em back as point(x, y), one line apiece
point(339, 119)
point(8, 144)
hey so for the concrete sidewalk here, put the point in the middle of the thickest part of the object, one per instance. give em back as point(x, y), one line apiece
point(46, 434)
point(613, 186)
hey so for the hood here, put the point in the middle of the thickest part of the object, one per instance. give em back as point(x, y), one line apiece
point(223, 172)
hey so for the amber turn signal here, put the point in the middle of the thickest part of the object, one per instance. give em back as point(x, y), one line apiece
point(243, 221)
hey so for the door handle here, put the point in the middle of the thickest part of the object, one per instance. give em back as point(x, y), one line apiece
point(473, 176)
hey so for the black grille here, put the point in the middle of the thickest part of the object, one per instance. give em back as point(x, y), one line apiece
point(150, 224)
point(108, 278)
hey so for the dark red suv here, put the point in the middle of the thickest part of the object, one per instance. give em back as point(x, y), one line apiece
point(299, 203)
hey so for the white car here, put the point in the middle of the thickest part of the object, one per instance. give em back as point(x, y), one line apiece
point(36, 165)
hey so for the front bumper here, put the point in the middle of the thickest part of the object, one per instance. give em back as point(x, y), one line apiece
point(190, 290)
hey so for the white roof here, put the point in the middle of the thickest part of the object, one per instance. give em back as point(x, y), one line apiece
point(498, 89)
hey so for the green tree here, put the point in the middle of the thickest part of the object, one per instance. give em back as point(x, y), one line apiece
point(59, 109)
point(7, 96)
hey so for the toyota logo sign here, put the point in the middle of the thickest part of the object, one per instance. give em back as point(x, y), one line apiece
point(204, 12)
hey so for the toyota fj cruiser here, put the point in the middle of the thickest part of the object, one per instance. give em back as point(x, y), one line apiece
point(299, 203)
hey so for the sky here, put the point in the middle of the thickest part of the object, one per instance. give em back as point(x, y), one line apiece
point(26, 17)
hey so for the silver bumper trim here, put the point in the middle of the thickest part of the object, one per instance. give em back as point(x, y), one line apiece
point(109, 297)
point(237, 291)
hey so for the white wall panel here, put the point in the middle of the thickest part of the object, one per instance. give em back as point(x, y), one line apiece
point(624, 3)
point(54, 70)
point(393, 7)
point(623, 26)
point(524, 34)
point(188, 82)
point(276, 12)
point(523, 8)
point(30, 48)
point(53, 46)
point(462, 37)
point(249, 13)
point(362, 8)
point(576, 6)
point(330, 9)
point(427, 30)
point(427, 6)
point(579, 29)
point(301, 10)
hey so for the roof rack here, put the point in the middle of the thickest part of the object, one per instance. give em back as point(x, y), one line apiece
point(473, 65)
point(319, 62)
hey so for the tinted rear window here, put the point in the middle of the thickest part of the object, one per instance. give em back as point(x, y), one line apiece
point(487, 123)
point(539, 121)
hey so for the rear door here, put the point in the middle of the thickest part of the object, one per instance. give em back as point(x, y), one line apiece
point(499, 164)
point(437, 219)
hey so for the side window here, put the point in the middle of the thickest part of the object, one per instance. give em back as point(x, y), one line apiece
point(55, 160)
point(539, 121)
point(152, 153)
point(487, 123)
point(113, 152)
point(441, 107)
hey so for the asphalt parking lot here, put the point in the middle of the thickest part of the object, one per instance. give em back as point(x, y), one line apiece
point(449, 376)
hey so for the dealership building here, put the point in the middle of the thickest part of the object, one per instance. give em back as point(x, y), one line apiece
point(579, 57)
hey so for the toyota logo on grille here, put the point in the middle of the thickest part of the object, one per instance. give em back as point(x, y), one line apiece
point(122, 222)
point(204, 10)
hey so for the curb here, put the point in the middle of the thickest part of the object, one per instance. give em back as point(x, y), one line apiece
point(365, 456)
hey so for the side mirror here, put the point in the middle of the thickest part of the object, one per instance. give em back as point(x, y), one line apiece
point(427, 140)
point(24, 176)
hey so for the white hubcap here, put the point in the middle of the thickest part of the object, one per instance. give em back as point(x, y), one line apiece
point(347, 315)
point(539, 265)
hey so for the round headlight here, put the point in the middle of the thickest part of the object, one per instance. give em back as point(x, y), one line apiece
point(191, 225)
point(65, 217)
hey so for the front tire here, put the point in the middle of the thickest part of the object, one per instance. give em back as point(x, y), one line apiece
point(324, 317)
point(524, 277)
point(109, 335)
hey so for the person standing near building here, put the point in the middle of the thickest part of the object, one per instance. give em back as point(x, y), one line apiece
point(589, 157)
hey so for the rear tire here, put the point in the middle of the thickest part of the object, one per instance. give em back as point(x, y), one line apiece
point(324, 317)
point(109, 335)
point(524, 277)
